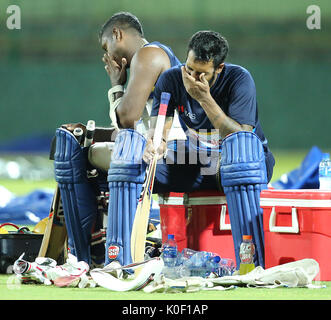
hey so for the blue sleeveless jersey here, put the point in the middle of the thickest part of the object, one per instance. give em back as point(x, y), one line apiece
point(174, 61)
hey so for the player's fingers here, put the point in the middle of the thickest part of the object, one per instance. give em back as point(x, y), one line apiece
point(203, 79)
point(148, 156)
point(149, 151)
point(105, 58)
point(184, 72)
point(107, 69)
point(187, 77)
point(114, 64)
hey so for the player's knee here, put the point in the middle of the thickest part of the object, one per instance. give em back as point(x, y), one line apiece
point(242, 160)
point(127, 157)
point(99, 155)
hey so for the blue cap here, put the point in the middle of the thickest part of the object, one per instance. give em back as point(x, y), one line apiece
point(171, 236)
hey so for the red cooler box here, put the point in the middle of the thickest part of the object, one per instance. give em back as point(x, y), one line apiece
point(297, 225)
point(199, 220)
point(173, 218)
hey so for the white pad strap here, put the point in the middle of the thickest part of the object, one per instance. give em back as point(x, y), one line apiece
point(110, 278)
point(113, 104)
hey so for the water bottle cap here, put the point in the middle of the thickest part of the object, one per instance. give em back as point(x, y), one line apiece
point(171, 237)
point(217, 259)
point(247, 237)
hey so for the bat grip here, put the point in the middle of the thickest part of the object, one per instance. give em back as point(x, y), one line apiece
point(78, 133)
point(90, 128)
point(165, 98)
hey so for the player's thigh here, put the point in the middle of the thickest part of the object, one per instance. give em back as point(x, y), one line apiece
point(99, 155)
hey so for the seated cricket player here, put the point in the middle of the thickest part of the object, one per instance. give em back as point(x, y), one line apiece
point(225, 148)
point(126, 48)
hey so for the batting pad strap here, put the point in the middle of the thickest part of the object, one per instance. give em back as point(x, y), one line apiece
point(113, 104)
point(68, 159)
point(113, 90)
point(242, 160)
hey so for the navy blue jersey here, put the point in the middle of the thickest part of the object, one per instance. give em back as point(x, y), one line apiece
point(234, 91)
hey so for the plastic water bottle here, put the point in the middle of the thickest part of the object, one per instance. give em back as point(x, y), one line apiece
point(227, 267)
point(246, 253)
point(176, 272)
point(202, 263)
point(187, 253)
point(325, 172)
point(169, 250)
point(212, 264)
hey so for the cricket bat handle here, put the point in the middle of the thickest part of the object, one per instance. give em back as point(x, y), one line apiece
point(158, 133)
point(90, 128)
point(78, 133)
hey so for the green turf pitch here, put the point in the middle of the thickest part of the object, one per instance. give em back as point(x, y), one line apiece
point(285, 162)
point(11, 290)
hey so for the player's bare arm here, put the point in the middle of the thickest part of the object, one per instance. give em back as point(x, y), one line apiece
point(146, 66)
point(199, 90)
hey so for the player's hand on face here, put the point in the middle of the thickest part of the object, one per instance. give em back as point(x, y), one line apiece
point(116, 72)
point(149, 152)
point(197, 89)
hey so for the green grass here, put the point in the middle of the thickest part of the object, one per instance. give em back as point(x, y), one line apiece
point(285, 161)
point(22, 187)
point(41, 292)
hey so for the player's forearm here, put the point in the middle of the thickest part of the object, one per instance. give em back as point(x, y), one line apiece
point(167, 128)
point(218, 118)
point(128, 113)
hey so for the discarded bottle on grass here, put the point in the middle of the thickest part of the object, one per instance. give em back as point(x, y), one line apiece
point(191, 263)
point(226, 267)
point(176, 272)
point(169, 251)
point(201, 263)
point(246, 254)
point(187, 253)
point(325, 172)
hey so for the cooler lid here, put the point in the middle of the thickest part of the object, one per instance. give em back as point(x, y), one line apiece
point(206, 197)
point(171, 198)
point(309, 198)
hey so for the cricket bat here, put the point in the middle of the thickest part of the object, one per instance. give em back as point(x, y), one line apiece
point(139, 228)
point(55, 234)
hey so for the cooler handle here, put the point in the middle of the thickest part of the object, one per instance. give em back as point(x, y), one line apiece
point(291, 229)
point(223, 225)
